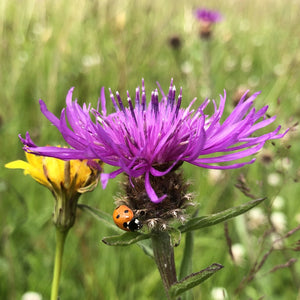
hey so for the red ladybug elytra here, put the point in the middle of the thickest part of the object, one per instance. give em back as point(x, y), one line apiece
point(124, 218)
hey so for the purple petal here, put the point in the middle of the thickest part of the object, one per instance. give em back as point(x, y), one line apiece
point(150, 191)
point(138, 139)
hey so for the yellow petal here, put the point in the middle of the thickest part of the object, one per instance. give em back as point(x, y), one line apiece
point(81, 170)
point(18, 164)
point(55, 173)
point(35, 170)
point(39, 176)
point(34, 160)
point(55, 169)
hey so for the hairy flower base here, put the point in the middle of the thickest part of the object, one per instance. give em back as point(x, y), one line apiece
point(158, 215)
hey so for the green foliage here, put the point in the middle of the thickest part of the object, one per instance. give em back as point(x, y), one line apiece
point(205, 221)
point(193, 280)
point(124, 239)
point(49, 46)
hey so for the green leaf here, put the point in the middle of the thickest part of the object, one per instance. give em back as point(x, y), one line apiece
point(175, 236)
point(125, 239)
point(186, 263)
point(99, 215)
point(205, 221)
point(192, 280)
point(146, 245)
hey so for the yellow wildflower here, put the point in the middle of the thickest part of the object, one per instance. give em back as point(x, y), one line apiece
point(67, 180)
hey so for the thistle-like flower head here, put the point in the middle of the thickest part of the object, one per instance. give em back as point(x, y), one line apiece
point(207, 18)
point(206, 15)
point(151, 139)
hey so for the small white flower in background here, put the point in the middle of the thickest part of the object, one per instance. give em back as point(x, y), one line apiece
point(187, 67)
point(286, 163)
point(219, 293)
point(256, 218)
point(278, 203)
point(278, 220)
point(277, 241)
point(274, 179)
point(31, 296)
point(91, 60)
point(238, 252)
point(214, 175)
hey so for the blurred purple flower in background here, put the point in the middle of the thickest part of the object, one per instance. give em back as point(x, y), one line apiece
point(211, 16)
point(206, 19)
point(150, 139)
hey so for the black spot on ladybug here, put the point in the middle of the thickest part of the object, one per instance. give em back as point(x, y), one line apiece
point(134, 224)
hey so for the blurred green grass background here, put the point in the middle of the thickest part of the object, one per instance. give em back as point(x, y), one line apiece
point(49, 46)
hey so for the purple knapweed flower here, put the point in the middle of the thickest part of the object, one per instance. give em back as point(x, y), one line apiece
point(205, 15)
point(206, 20)
point(149, 139)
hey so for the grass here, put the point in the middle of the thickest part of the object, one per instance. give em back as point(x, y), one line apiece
point(49, 46)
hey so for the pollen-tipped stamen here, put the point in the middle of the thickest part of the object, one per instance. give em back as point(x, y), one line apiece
point(154, 102)
point(178, 102)
point(131, 108)
point(120, 102)
point(113, 100)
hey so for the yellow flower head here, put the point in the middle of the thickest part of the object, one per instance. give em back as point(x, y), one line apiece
point(56, 174)
point(67, 180)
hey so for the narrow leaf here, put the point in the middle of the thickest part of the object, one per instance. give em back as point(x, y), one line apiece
point(193, 280)
point(125, 239)
point(205, 221)
point(187, 263)
point(146, 245)
point(100, 216)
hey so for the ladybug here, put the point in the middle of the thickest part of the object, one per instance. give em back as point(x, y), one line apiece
point(124, 218)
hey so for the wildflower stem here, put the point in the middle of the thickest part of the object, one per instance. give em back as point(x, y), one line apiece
point(60, 242)
point(186, 263)
point(206, 60)
point(164, 258)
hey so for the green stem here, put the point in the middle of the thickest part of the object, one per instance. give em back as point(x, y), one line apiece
point(60, 242)
point(164, 258)
point(186, 264)
point(206, 77)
